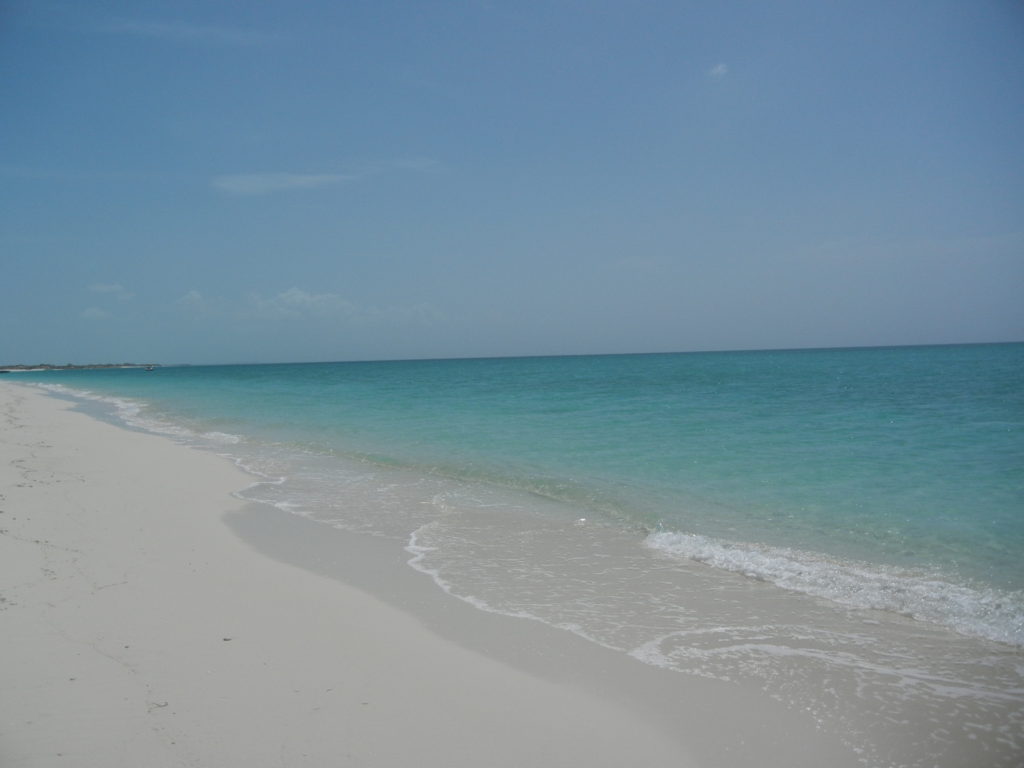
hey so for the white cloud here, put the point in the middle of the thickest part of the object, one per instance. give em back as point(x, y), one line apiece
point(191, 299)
point(719, 71)
point(115, 289)
point(297, 303)
point(181, 32)
point(105, 287)
point(94, 313)
point(266, 183)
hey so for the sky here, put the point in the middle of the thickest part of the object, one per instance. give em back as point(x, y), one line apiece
point(225, 181)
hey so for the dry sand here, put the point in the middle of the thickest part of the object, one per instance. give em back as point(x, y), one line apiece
point(150, 618)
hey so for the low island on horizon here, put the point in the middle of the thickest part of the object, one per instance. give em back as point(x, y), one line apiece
point(20, 367)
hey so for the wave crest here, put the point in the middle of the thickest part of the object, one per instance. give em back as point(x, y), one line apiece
point(983, 612)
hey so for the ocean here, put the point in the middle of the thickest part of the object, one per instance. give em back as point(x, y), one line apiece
point(842, 528)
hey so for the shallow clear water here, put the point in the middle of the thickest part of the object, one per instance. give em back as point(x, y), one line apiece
point(842, 527)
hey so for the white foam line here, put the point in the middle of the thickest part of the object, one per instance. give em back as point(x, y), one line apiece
point(982, 612)
point(419, 552)
point(129, 411)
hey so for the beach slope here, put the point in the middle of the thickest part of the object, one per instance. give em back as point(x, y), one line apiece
point(138, 629)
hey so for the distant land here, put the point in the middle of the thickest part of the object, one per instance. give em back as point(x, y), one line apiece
point(70, 367)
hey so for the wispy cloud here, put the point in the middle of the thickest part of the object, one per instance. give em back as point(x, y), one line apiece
point(718, 71)
point(183, 32)
point(94, 313)
point(421, 164)
point(297, 303)
point(191, 299)
point(267, 183)
point(113, 289)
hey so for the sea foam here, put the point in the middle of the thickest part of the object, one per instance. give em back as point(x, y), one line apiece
point(134, 414)
point(980, 611)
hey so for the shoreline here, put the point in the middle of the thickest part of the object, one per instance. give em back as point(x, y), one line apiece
point(153, 621)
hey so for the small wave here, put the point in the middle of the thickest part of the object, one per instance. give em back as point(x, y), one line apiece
point(133, 413)
point(979, 611)
point(222, 437)
point(419, 553)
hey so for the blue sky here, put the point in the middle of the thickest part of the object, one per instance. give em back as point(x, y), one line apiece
point(269, 181)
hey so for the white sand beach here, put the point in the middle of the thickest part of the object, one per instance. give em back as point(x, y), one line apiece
point(150, 618)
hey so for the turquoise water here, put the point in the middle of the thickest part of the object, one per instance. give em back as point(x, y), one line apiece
point(910, 457)
point(842, 528)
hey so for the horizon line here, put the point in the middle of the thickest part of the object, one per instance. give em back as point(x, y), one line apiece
point(15, 367)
